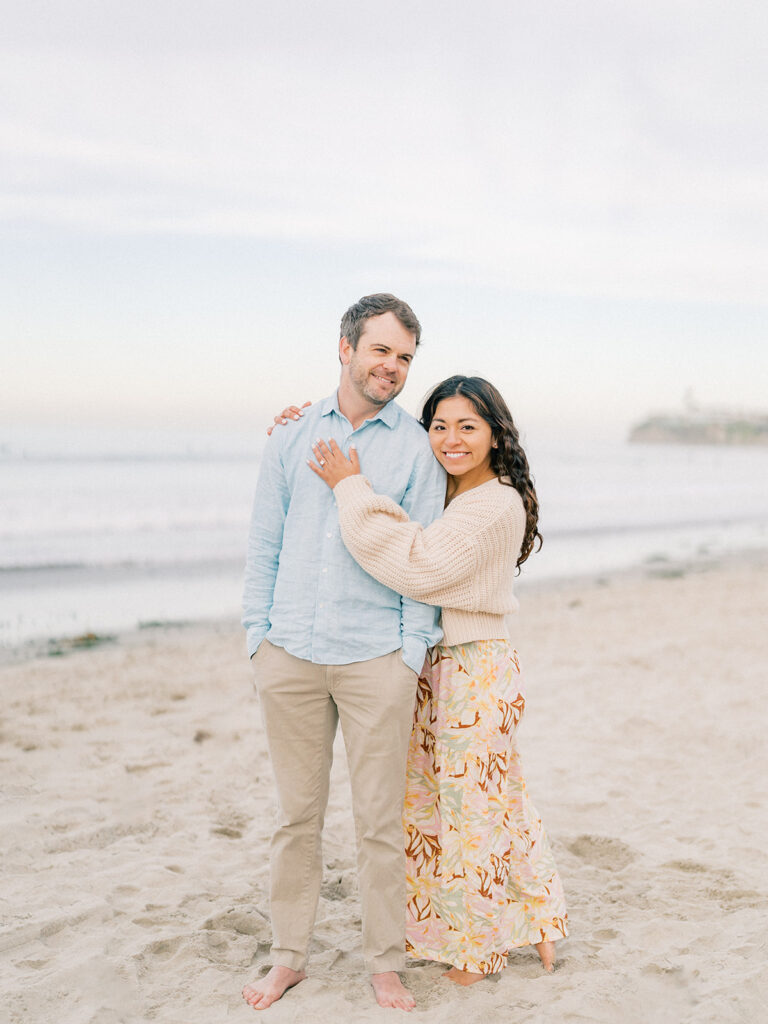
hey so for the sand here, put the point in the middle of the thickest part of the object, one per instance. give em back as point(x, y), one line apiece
point(137, 805)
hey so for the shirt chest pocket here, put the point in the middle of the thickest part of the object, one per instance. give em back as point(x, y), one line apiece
point(389, 479)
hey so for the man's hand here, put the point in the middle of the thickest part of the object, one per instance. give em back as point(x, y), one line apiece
point(292, 412)
point(332, 464)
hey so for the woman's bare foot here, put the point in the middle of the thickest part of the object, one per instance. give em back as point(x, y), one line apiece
point(390, 991)
point(271, 987)
point(546, 951)
point(463, 977)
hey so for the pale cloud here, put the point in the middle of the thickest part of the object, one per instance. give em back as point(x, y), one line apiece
point(589, 150)
point(597, 150)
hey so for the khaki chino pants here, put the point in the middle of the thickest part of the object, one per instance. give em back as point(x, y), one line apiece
point(301, 704)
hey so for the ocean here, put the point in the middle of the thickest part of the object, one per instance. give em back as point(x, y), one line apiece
point(101, 533)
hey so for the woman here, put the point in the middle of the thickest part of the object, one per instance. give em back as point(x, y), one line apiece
point(481, 878)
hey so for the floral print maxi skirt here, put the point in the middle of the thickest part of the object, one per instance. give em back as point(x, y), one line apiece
point(481, 877)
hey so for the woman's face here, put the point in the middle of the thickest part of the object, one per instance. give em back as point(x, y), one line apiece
point(461, 439)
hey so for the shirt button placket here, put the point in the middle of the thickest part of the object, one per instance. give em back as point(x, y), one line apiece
point(323, 593)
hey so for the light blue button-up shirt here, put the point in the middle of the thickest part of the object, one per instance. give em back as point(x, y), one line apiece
point(303, 589)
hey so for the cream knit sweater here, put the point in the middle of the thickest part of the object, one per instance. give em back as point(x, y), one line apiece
point(464, 562)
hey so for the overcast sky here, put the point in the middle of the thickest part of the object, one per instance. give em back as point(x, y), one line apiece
point(572, 196)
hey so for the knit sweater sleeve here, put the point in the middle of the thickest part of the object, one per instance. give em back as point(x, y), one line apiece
point(437, 564)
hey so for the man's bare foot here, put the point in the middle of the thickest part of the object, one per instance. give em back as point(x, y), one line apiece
point(546, 951)
point(271, 987)
point(390, 991)
point(463, 977)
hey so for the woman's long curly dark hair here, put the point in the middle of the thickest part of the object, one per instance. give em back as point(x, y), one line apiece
point(508, 459)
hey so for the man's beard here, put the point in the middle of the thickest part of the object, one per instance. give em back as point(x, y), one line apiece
point(360, 379)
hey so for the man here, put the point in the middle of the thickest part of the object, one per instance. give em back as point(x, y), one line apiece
point(329, 643)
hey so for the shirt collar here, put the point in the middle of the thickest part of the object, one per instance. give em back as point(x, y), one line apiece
point(388, 414)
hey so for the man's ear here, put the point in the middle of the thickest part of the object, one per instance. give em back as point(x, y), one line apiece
point(345, 351)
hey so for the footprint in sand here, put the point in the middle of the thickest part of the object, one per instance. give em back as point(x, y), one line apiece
point(243, 922)
point(228, 938)
point(337, 887)
point(718, 885)
point(666, 970)
point(602, 852)
point(687, 866)
point(230, 825)
point(163, 949)
point(99, 838)
point(156, 916)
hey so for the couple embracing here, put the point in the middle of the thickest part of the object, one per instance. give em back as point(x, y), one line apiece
point(379, 601)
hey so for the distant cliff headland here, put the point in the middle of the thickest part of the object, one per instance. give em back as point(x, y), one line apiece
point(701, 426)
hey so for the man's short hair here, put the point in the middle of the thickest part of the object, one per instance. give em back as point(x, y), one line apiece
point(353, 321)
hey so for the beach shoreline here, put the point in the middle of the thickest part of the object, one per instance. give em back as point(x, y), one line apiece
point(57, 644)
point(138, 806)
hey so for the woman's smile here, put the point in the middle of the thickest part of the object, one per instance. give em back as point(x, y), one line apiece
point(462, 442)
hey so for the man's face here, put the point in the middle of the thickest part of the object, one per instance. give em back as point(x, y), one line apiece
point(379, 366)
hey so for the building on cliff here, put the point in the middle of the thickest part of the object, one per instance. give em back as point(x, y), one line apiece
point(701, 426)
